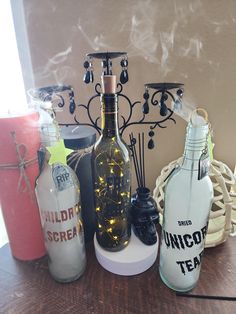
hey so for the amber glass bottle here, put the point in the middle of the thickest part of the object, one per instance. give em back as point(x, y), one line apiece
point(111, 174)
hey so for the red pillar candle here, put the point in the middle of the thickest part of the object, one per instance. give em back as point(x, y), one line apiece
point(19, 142)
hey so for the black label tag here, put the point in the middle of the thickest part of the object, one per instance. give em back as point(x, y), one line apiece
point(203, 165)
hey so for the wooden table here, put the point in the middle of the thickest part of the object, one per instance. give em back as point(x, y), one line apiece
point(26, 287)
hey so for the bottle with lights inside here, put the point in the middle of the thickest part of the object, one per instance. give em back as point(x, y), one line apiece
point(187, 204)
point(112, 175)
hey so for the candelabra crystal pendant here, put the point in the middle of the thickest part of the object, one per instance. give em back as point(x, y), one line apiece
point(111, 174)
point(124, 77)
point(88, 76)
point(146, 105)
point(72, 102)
point(151, 144)
point(163, 106)
point(106, 66)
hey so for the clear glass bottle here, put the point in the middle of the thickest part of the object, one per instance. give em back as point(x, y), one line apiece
point(111, 173)
point(187, 203)
point(57, 192)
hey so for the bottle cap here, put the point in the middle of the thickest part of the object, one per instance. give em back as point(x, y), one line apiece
point(108, 84)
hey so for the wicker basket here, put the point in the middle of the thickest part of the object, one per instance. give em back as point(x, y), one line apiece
point(220, 224)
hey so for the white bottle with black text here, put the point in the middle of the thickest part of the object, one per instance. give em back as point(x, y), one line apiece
point(187, 203)
point(58, 197)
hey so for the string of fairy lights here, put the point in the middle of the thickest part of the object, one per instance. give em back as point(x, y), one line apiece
point(111, 182)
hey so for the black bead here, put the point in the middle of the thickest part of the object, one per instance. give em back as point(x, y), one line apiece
point(124, 63)
point(163, 110)
point(87, 77)
point(145, 108)
point(124, 77)
point(180, 92)
point(146, 95)
point(72, 106)
point(104, 63)
point(86, 64)
point(110, 65)
point(151, 144)
point(151, 133)
point(165, 97)
point(71, 94)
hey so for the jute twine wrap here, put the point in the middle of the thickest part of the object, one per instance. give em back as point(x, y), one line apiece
point(21, 152)
point(78, 155)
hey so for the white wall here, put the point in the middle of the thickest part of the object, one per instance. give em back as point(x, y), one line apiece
point(189, 41)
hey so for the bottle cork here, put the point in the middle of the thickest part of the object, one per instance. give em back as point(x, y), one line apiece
point(108, 84)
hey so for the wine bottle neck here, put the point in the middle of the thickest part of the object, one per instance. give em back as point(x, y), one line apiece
point(195, 145)
point(109, 113)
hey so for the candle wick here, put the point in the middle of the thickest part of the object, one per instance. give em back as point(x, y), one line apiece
point(75, 129)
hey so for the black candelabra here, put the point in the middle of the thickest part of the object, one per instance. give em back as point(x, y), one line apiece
point(163, 92)
point(163, 95)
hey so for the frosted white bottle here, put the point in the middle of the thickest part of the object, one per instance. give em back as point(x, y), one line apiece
point(57, 192)
point(187, 203)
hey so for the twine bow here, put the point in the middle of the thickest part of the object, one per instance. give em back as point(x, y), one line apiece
point(21, 152)
point(78, 155)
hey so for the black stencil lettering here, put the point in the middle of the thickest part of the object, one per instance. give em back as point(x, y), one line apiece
point(196, 262)
point(181, 241)
point(181, 263)
point(204, 232)
point(189, 265)
point(166, 238)
point(174, 241)
point(197, 237)
point(60, 178)
point(186, 241)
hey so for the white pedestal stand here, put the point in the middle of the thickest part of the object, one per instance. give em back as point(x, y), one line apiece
point(134, 259)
